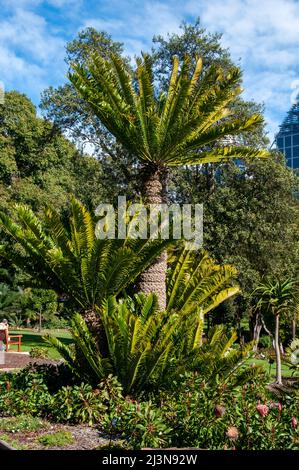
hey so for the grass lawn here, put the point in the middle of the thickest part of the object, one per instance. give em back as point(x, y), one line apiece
point(33, 339)
point(286, 371)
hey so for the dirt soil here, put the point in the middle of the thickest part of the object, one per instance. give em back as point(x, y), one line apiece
point(17, 361)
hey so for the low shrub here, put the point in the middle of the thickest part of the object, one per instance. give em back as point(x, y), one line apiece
point(139, 424)
point(39, 352)
point(83, 404)
point(54, 376)
point(265, 341)
point(56, 439)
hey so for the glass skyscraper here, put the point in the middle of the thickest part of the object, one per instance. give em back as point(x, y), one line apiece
point(287, 139)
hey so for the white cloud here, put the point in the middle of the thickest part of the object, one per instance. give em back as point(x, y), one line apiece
point(264, 34)
point(28, 32)
point(136, 26)
point(31, 55)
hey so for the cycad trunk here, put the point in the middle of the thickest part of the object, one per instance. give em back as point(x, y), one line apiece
point(95, 326)
point(277, 351)
point(153, 279)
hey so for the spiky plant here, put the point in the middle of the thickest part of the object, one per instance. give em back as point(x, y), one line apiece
point(68, 258)
point(139, 338)
point(161, 129)
point(222, 364)
point(195, 279)
point(145, 351)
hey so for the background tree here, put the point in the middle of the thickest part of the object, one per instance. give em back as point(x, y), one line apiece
point(9, 301)
point(277, 298)
point(38, 305)
point(251, 220)
point(38, 165)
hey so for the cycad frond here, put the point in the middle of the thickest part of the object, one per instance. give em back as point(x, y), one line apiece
point(70, 259)
point(166, 130)
point(195, 281)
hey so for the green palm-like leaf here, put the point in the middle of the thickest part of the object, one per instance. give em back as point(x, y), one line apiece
point(166, 129)
point(195, 281)
point(70, 259)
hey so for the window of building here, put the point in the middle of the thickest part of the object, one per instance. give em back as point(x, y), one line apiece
point(296, 152)
point(296, 139)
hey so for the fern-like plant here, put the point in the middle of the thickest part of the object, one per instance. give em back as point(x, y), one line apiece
point(147, 348)
point(68, 258)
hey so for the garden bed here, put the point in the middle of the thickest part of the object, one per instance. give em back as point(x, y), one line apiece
point(50, 436)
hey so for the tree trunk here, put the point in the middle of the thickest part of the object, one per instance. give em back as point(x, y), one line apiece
point(257, 331)
point(94, 324)
point(277, 351)
point(153, 279)
point(40, 320)
point(293, 329)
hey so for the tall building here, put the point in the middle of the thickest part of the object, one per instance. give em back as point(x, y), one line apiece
point(287, 139)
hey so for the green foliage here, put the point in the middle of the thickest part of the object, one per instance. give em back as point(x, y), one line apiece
point(39, 353)
point(148, 348)
point(83, 404)
point(139, 344)
point(144, 425)
point(196, 282)
point(167, 130)
point(292, 356)
point(266, 341)
point(78, 404)
point(38, 305)
point(22, 423)
point(202, 420)
point(69, 258)
point(277, 296)
point(54, 376)
point(33, 399)
point(56, 439)
point(9, 301)
point(38, 165)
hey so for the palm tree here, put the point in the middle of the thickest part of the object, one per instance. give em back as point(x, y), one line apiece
point(161, 129)
point(278, 298)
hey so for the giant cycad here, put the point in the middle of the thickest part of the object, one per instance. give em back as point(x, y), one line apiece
point(161, 129)
point(66, 255)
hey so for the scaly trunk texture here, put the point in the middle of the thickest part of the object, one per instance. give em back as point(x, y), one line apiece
point(277, 351)
point(153, 279)
point(94, 324)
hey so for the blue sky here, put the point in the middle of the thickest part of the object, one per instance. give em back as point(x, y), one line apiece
point(263, 34)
